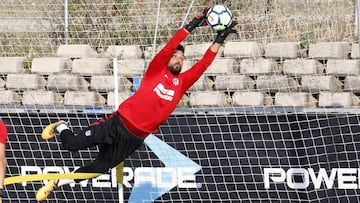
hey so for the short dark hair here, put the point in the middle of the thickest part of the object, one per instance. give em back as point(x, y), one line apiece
point(180, 48)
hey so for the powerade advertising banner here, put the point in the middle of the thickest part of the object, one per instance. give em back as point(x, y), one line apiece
point(202, 158)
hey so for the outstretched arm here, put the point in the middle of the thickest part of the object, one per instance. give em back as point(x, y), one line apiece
point(195, 72)
point(222, 35)
point(215, 47)
point(167, 51)
point(161, 58)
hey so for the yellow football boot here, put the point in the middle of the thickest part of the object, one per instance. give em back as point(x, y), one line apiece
point(50, 130)
point(46, 190)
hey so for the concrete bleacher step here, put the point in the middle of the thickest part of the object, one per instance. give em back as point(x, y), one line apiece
point(131, 67)
point(343, 67)
point(352, 84)
point(12, 65)
point(184, 102)
point(2, 84)
point(239, 72)
point(91, 66)
point(276, 83)
point(187, 65)
point(294, 99)
point(151, 51)
point(209, 99)
point(222, 66)
point(9, 97)
point(196, 51)
point(202, 84)
point(242, 50)
point(124, 52)
point(259, 66)
point(282, 50)
point(251, 99)
point(329, 50)
point(317, 83)
point(338, 99)
point(121, 97)
point(83, 98)
point(50, 65)
point(64, 82)
point(299, 67)
point(355, 51)
point(76, 51)
point(234, 82)
point(105, 83)
point(41, 97)
point(25, 82)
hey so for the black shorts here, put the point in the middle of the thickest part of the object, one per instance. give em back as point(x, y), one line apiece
point(115, 142)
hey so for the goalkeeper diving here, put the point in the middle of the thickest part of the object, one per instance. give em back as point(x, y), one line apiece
point(162, 87)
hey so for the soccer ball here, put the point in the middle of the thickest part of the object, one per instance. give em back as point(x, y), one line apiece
point(218, 17)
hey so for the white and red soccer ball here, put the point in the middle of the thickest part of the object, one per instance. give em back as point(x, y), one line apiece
point(218, 17)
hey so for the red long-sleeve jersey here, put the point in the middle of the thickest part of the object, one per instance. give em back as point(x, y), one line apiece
point(160, 91)
point(3, 132)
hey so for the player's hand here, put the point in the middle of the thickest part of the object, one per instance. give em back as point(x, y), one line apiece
point(201, 16)
point(222, 35)
point(198, 20)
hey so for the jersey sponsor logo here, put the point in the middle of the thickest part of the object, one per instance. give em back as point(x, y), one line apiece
point(164, 93)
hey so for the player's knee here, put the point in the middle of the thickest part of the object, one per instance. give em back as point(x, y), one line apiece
point(68, 145)
point(71, 146)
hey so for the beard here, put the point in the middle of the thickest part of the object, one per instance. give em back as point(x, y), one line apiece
point(174, 71)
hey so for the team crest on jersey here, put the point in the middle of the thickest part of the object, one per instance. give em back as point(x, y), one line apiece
point(175, 81)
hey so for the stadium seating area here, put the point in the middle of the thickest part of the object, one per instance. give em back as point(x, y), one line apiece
point(243, 74)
